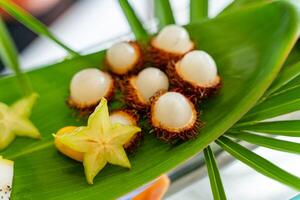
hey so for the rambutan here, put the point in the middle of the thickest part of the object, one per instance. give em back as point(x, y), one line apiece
point(195, 74)
point(170, 44)
point(138, 89)
point(124, 58)
point(87, 88)
point(173, 116)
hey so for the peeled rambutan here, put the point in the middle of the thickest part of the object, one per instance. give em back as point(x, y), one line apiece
point(87, 88)
point(173, 116)
point(124, 58)
point(138, 89)
point(171, 43)
point(128, 117)
point(195, 74)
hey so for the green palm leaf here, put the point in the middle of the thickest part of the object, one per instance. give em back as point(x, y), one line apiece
point(268, 142)
point(135, 24)
point(198, 10)
point(286, 128)
point(240, 59)
point(214, 175)
point(294, 55)
point(258, 163)
point(286, 76)
point(33, 24)
point(163, 13)
point(9, 56)
point(274, 106)
point(292, 84)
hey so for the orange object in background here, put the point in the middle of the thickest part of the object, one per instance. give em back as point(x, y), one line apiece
point(35, 7)
point(156, 191)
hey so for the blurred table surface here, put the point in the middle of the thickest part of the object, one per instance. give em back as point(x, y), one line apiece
point(91, 25)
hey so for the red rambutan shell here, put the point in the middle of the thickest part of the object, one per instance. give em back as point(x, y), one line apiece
point(188, 132)
point(131, 95)
point(160, 58)
point(191, 90)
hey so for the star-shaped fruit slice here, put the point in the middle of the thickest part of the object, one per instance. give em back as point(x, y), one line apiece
point(14, 121)
point(100, 142)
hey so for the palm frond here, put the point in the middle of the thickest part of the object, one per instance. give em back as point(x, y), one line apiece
point(214, 175)
point(9, 56)
point(258, 163)
point(272, 143)
point(289, 128)
point(283, 103)
point(134, 22)
point(286, 76)
point(198, 10)
point(164, 13)
point(294, 56)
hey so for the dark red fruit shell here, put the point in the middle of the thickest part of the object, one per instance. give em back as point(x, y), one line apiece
point(138, 65)
point(185, 135)
point(194, 92)
point(160, 58)
point(85, 109)
point(131, 96)
point(136, 140)
point(165, 135)
point(134, 143)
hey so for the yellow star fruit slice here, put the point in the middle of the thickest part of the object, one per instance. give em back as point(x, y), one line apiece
point(75, 155)
point(98, 143)
point(14, 121)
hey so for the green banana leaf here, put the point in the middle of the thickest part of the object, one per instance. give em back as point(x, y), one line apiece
point(249, 55)
point(237, 4)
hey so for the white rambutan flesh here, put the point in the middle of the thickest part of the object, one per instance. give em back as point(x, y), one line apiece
point(173, 111)
point(88, 86)
point(122, 57)
point(198, 67)
point(149, 81)
point(122, 117)
point(6, 178)
point(174, 39)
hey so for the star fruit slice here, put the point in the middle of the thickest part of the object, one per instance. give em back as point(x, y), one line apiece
point(14, 121)
point(99, 143)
